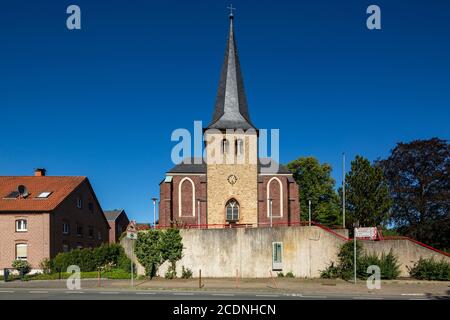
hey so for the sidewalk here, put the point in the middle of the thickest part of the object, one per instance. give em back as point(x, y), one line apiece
point(277, 285)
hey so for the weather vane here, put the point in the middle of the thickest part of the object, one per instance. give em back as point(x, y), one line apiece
point(231, 9)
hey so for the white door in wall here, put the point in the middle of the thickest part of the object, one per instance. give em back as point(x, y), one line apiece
point(277, 256)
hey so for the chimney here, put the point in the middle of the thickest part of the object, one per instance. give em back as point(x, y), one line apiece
point(39, 172)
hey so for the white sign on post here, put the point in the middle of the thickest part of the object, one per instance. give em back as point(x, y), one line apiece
point(131, 235)
point(366, 233)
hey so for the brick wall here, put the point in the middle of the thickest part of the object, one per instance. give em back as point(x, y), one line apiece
point(89, 216)
point(37, 237)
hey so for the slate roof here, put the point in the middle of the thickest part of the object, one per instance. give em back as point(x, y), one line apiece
point(193, 168)
point(231, 110)
point(112, 215)
point(60, 188)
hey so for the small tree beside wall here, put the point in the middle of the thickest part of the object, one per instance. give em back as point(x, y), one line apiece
point(154, 247)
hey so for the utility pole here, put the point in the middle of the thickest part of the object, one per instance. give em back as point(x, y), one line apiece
point(154, 212)
point(343, 190)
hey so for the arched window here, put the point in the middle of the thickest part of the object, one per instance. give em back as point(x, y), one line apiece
point(239, 147)
point(225, 146)
point(232, 210)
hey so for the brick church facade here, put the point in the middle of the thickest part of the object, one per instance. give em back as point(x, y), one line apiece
point(236, 189)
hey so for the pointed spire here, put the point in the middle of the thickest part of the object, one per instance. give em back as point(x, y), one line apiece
point(231, 110)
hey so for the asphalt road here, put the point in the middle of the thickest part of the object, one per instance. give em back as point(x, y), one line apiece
point(98, 294)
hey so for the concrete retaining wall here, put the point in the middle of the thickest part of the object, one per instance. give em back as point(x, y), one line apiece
point(306, 251)
point(406, 251)
point(219, 252)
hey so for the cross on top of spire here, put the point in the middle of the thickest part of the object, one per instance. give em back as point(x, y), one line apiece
point(231, 10)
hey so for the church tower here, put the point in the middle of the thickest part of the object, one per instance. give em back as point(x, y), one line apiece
point(231, 149)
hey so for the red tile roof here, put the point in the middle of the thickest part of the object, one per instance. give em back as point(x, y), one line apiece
point(60, 187)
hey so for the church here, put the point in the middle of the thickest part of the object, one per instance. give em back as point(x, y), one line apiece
point(229, 186)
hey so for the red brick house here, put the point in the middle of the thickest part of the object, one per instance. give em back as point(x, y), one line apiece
point(41, 216)
point(118, 222)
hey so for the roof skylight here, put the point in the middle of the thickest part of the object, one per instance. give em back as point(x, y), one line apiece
point(44, 195)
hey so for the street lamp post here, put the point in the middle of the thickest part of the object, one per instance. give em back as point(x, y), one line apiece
point(154, 212)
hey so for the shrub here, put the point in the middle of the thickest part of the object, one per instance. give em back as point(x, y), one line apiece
point(148, 251)
point(280, 275)
point(186, 273)
point(290, 275)
point(46, 266)
point(22, 265)
point(429, 269)
point(331, 272)
point(171, 273)
point(103, 257)
point(153, 247)
point(388, 264)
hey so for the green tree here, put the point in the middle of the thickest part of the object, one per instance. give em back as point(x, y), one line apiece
point(171, 248)
point(367, 194)
point(316, 184)
point(418, 175)
point(148, 251)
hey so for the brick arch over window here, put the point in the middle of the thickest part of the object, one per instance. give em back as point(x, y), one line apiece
point(275, 191)
point(186, 188)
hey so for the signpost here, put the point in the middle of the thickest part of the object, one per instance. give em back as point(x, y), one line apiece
point(132, 235)
point(369, 233)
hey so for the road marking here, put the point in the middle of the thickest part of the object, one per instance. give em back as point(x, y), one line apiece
point(145, 292)
point(5, 291)
point(108, 292)
point(223, 294)
point(74, 292)
point(38, 291)
point(318, 297)
point(183, 294)
point(413, 294)
point(267, 295)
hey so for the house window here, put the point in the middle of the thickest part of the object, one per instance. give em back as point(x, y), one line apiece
point(99, 235)
point(65, 228)
point(79, 245)
point(21, 251)
point(277, 256)
point(65, 247)
point(79, 203)
point(91, 207)
point(91, 232)
point(79, 231)
point(232, 210)
point(21, 225)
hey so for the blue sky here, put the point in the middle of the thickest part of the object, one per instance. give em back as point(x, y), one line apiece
point(102, 101)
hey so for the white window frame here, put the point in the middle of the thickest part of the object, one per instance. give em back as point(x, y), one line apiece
point(234, 210)
point(79, 203)
point(66, 228)
point(26, 248)
point(21, 225)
